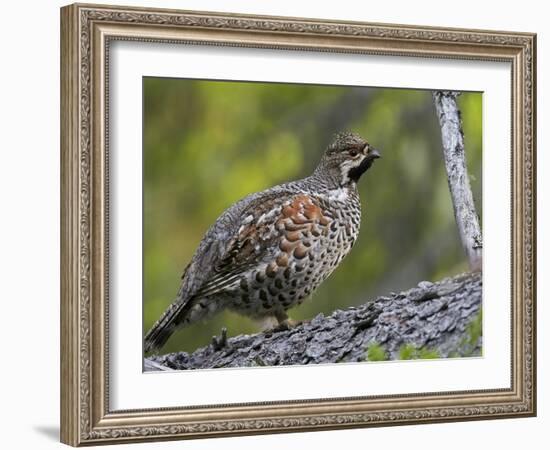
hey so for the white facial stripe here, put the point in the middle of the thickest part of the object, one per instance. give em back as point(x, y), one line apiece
point(347, 165)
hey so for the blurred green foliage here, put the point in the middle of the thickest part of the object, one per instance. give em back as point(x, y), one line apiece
point(474, 331)
point(375, 352)
point(206, 144)
point(410, 351)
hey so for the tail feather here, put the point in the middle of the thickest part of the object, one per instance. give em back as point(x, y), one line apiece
point(161, 331)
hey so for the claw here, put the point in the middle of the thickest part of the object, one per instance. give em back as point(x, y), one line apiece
point(220, 342)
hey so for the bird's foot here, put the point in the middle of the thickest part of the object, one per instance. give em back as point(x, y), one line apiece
point(219, 342)
point(286, 325)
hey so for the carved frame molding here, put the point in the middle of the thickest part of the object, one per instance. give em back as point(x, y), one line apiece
point(86, 31)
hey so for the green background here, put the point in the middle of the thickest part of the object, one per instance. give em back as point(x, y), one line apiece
point(206, 144)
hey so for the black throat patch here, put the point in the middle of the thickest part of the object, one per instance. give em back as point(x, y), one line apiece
point(355, 173)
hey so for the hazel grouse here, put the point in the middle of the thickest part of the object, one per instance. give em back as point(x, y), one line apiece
point(272, 249)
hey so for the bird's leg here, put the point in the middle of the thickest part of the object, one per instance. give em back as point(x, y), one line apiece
point(285, 322)
point(279, 321)
point(267, 323)
point(219, 342)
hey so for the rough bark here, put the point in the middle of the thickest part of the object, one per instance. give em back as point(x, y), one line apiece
point(457, 174)
point(436, 317)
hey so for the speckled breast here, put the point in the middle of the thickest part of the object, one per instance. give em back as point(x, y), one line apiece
point(308, 236)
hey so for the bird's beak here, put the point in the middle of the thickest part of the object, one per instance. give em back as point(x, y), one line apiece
point(374, 154)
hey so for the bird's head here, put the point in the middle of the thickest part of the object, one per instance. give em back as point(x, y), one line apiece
point(347, 158)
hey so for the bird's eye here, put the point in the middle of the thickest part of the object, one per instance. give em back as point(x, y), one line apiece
point(353, 152)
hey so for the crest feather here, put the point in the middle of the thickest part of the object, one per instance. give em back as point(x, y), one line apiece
point(345, 139)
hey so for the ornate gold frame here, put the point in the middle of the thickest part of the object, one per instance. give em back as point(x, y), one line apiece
point(86, 31)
